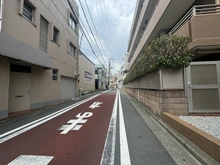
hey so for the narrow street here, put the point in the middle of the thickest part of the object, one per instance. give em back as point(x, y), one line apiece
point(103, 129)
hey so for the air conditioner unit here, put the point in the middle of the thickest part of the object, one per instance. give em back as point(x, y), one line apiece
point(76, 74)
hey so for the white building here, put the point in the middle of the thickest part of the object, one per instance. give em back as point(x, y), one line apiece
point(100, 77)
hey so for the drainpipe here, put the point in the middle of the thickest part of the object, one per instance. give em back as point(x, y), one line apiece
point(1, 11)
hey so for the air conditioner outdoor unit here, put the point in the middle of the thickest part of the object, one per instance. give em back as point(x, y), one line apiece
point(76, 74)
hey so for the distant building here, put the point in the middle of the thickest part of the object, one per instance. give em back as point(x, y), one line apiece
point(123, 70)
point(38, 53)
point(114, 81)
point(100, 77)
point(86, 74)
point(125, 63)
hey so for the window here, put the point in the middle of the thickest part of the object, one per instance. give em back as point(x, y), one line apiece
point(72, 22)
point(28, 11)
point(43, 34)
point(72, 50)
point(55, 35)
point(55, 75)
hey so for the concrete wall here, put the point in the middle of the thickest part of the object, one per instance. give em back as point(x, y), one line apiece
point(43, 90)
point(184, 30)
point(205, 30)
point(163, 79)
point(88, 66)
point(173, 102)
point(149, 81)
point(4, 86)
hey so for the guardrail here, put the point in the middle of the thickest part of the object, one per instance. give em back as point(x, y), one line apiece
point(195, 10)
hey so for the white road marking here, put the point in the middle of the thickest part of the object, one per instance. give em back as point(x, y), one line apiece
point(106, 91)
point(95, 105)
point(108, 155)
point(124, 151)
point(73, 123)
point(31, 160)
point(15, 132)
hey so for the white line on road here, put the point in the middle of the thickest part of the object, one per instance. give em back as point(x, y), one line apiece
point(31, 160)
point(15, 132)
point(108, 155)
point(124, 151)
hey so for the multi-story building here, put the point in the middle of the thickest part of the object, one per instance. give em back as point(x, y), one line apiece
point(195, 89)
point(38, 53)
point(123, 70)
point(114, 81)
point(120, 77)
point(125, 62)
point(101, 82)
point(86, 74)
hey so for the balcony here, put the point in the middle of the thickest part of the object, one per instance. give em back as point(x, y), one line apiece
point(161, 17)
point(202, 24)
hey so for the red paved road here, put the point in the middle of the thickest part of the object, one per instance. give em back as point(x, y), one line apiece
point(82, 147)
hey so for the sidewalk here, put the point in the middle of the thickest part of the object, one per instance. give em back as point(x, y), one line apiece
point(19, 114)
point(201, 145)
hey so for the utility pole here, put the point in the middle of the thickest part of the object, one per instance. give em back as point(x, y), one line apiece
point(109, 71)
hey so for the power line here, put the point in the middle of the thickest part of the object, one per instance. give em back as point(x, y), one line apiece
point(95, 29)
point(82, 30)
point(91, 31)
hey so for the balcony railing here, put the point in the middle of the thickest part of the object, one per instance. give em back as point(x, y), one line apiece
point(195, 10)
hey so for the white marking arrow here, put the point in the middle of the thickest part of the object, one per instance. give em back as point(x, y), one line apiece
point(95, 105)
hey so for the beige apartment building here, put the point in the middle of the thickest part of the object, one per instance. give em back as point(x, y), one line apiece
point(38, 53)
point(86, 74)
point(195, 89)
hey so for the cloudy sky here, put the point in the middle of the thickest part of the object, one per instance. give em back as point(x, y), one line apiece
point(108, 30)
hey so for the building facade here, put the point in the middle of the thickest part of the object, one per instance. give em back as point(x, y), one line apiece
point(192, 89)
point(123, 70)
point(38, 53)
point(86, 74)
point(101, 82)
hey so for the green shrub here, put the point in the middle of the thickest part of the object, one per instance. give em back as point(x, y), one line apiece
point(166, 52)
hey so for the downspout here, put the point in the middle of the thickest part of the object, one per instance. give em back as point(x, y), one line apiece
point(1, 11)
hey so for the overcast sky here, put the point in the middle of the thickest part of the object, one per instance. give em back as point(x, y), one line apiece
point(112, 20)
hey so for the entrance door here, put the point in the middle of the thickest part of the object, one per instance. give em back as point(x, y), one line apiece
point(203, 87)
point(19, 94)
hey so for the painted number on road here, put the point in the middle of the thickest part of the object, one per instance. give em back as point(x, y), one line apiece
point(31, 160)
point(95, 105)
point(74, 123)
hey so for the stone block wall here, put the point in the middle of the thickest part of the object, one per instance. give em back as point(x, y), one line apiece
point(157, 101)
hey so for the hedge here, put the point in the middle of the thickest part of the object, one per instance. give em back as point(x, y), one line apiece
point(165, 52)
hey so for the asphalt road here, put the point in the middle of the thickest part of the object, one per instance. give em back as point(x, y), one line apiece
point(104, 129)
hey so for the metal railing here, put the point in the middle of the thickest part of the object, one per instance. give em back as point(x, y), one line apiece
point(195, 10)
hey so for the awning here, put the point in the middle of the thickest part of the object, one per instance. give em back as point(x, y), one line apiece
point(11, 47)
